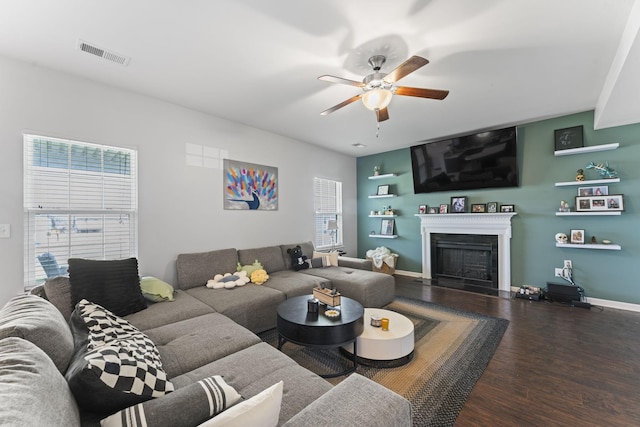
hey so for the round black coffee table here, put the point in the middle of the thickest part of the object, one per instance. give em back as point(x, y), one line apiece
point(297, 325)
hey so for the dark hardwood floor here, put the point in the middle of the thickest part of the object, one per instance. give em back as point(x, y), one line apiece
point(555, 366)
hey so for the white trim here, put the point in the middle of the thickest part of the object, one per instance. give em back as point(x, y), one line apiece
point(614, 304)
point(409, 273)
point(492, 224)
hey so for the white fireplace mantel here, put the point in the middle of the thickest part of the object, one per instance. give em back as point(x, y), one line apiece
point(492, 224)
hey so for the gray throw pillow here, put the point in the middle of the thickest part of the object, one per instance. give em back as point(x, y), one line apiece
point(204, 399)
point(58, 292)
point(37, 320)
point(32, 391)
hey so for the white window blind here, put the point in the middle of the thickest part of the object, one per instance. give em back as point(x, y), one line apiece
point(80, 201)
point(328, 206)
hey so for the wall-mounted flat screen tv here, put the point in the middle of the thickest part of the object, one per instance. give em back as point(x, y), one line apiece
point(482, 160)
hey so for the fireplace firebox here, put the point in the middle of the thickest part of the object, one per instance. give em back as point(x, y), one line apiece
point(465, 261)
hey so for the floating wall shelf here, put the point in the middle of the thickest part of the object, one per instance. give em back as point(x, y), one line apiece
point(384, 236)
point(589, 246)
point(386, 175)
point(581, 150)
point(604, 213)
point(587, 183)
point(382, 196)
point(383, 216)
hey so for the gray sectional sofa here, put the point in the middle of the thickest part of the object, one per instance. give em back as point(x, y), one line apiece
point(202, 333)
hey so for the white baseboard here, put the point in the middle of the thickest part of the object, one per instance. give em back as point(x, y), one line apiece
point(409, 273)
point(594, 301)
point(614, 304)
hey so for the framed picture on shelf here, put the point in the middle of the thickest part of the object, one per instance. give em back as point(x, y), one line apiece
point(387, 226)
point(459, 204)
point(507, 208)
point(601, 190)
point(577, 236)
point(433, 210)
point(478, 208)
point(492, 207)
point(568, 138)
point(422, 209)
point(613, 202)
point(444, 208)
point(383, 190)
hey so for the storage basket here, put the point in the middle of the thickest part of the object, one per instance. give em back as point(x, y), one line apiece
point(384, 268)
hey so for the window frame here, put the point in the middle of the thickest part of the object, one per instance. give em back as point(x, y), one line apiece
point(325, 209)
point(91, 202)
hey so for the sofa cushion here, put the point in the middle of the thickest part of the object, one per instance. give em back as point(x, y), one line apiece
point(115, 365)
point(195, 269)
point(367, 287)
point(192, 343)
point(252, 306)
point(32, 390)
point(307, 250)
point(58, 292)
point(189, 406)
point(262, 410)
point(156, 290)
point(268, 366)
point(37, 320)
point(158, 314)
point(294, 284)
point(270, 257)
point(113, 284)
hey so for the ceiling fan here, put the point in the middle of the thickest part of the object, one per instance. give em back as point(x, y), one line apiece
point(378, 88)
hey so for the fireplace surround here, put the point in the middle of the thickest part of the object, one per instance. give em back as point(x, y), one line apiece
point(491, 224)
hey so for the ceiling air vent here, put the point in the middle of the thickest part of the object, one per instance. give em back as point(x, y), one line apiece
point(103, 53)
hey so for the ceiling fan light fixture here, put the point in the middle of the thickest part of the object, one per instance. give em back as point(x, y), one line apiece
point(377, 99)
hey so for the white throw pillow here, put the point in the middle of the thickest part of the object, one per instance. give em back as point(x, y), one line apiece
point(262, 410)
point(331, 256)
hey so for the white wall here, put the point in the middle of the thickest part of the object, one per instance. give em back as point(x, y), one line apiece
point(180, 206)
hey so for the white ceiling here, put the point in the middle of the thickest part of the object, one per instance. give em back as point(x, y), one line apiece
point(256, 62)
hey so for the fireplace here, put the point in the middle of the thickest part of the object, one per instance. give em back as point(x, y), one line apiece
point(497, 225)
point(465, 261)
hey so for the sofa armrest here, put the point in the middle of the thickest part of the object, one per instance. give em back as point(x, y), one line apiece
point(357, 263)
point(356, 401)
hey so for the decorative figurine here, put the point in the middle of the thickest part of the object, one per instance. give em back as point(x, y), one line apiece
point(580, 175)
point(604, 170)
point(564, 206)
point(561, 238)
point(593, 239)
point(376, 170)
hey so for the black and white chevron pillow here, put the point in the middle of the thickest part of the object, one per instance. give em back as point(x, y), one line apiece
point(115, 365)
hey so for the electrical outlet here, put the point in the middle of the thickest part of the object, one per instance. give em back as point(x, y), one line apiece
point(5, 231)
point(568, 264)
point(558, 272)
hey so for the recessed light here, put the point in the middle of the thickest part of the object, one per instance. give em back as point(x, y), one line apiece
point(358, 145)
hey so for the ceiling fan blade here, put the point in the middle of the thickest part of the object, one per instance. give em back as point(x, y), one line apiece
point(334, 79)
point(421, 93)
point(342, 104)
point(382, 115)
point(407, 67)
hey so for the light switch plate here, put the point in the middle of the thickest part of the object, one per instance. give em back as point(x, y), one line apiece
point(5, 231)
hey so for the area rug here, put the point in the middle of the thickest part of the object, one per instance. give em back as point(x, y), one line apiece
point(452, 350)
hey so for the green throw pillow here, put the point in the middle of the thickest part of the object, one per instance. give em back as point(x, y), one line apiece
point(257, 265)
point(155, 289)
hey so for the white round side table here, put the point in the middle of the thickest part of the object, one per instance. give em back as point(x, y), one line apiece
point(394, 345)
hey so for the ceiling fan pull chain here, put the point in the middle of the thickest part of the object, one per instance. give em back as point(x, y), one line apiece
point(378, 129)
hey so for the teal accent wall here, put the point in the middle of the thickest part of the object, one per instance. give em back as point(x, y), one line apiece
point(606, 274)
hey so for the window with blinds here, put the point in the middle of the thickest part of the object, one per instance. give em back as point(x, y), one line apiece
point(80, 201)
point(328, 207)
